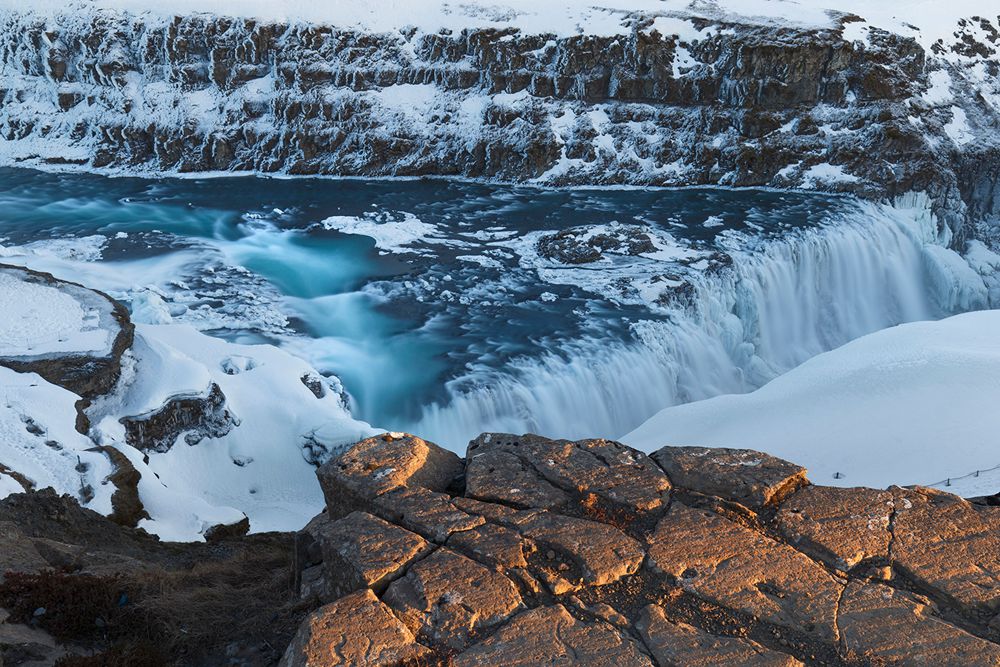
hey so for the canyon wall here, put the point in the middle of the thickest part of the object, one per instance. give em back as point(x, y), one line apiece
point(669, 101)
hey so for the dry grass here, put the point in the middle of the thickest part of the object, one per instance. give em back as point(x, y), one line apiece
point(247, 598)
point(235, 597)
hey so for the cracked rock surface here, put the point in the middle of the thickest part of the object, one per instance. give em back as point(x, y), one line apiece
point(533, 551)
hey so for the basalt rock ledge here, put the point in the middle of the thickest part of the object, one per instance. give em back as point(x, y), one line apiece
point(534, 551)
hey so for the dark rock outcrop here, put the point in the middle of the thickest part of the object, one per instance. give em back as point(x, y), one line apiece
point(720, 557)
point(193, 417)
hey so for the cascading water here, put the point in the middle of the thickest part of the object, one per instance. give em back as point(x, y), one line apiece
point(453, 321)
point(782, 301)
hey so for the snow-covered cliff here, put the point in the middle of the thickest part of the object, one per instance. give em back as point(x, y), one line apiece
point(878, 101)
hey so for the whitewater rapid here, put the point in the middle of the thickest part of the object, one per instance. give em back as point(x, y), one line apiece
point(782, 301)
point(431, 301)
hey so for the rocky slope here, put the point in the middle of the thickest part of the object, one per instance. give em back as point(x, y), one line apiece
point(675, 98)
point(533, 551)
point(529, 551)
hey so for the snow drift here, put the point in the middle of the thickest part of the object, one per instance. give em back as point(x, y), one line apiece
point(913, 404)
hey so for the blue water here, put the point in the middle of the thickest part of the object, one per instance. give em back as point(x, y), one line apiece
point(412, 329)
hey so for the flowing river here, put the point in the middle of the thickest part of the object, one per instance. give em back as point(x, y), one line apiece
point(450, 308)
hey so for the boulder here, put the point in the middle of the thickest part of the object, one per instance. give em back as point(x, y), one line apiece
point(552, 636)
point(682, 645)
point(447, 599)
point(363, 551)
point(381, 464)
point(429, 513)
point(893, 627)
point(357, 630)
point(739, 568)
point(601, 554)
point(533, 472)
point(751, 478)
point(949, 547)
point(494, 545)
point(841, 527)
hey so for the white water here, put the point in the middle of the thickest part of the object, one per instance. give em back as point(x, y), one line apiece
point(782, 302)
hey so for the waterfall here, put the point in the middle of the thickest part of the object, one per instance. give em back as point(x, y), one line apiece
point(782, 301)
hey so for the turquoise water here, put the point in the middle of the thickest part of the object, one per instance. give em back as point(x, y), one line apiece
point(466, 308)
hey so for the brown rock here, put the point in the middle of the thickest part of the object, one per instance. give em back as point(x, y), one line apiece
point(682, 645)
point(355, 630)
point(381, 464)
point(551, 636)
point(447, 598)
point(534, 472)
point(899, 628)
point(950, 547)
point(227, 531)
point(363, 551)
point(17, 553)
point(748, 477)
point(603, 553)
point(841, 527)
point(736, 567)
point(429, 513)
point(494, 545)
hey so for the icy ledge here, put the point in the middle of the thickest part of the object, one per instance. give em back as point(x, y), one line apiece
point(195, 432)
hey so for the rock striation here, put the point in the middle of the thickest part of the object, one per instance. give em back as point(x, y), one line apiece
point(535, 551)
point(670, 100)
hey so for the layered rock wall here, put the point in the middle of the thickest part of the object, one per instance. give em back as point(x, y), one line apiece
point(731, 104)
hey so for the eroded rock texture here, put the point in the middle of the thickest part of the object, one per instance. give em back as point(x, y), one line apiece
point(534, 551)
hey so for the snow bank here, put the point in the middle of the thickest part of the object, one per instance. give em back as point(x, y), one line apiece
point(914, 404)
point(260, 468)
point(40, 320)
point(38, 439)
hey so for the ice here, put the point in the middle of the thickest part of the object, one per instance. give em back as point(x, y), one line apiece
point(40, 320)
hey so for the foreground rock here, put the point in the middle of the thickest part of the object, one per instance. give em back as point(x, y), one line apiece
point(356, 630)
point(536, 551)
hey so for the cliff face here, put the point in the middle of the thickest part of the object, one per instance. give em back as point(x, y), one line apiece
point(676, 101)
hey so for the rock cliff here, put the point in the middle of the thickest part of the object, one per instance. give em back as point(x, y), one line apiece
point(529, 551)
point(669, 99)
point(534, 551)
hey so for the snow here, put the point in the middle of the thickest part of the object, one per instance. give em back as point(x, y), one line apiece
point(263, 468)
point(258, 469)
point(826, 174)
point(958, 127)
point(40, 320)
point(8, 486)
point(392, 233)
point(939, 91)
point(914, 404)
point(38, 439)
point(925, 20)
